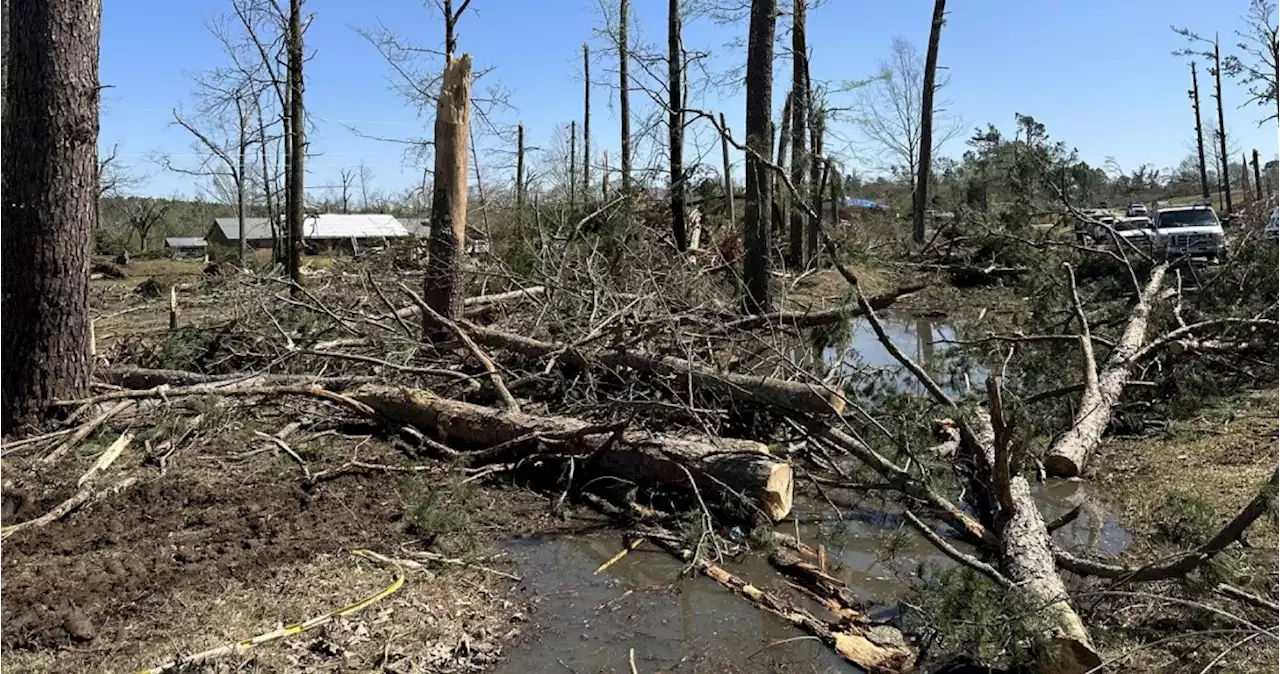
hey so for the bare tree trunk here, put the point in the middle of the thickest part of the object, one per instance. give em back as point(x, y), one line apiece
point(799, 122)
point(624, 97)
point(285, 253)
point(604, 178)
point(1195, 105)
point(243, 148)
point(1257, 177)
point(298, 146)
point(784, 130)
point(756, 233)
point(442, 286)
point(921, 200)
point(573, 160)
point(836, 186)
point(728, 176)
point(1222, 128)
point(266, 184)
point(1069, 454)
point(1244, 176)
point(50, 186)
point(586, 122)
point(675, 122)
point(519, 175)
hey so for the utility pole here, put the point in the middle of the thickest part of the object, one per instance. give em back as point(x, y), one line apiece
point(1195, 105)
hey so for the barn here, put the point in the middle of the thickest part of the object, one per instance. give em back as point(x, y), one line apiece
point(324, 231)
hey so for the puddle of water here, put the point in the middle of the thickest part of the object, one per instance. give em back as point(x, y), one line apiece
point(586, 623)
point(924, 340)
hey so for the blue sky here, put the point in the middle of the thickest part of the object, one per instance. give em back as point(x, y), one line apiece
point(1098, 73)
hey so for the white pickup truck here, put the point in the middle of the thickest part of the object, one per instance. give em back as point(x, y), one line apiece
point(1192, 231)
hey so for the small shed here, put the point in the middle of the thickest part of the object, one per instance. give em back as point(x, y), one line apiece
point(181, 247)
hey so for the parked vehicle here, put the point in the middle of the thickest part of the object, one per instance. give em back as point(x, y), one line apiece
point(1135, 210)
point(1136, 230)
point(1273, 225)
point(1192, 231)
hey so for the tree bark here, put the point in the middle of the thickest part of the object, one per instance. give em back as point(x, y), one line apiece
point(780, 197)
point(586, 122)
point(1244, 177)
point(50, 186)
point(297, 146)
point(647, 459)
point(675, 123)
point(442, 287)
point(799, 123)
point(1068, 456)
point(573, 163)
point(819, 172)
point(1026, 555)
point(624, 96)
point(756, 227)
point(519, 177)
point(923, 167)
point(728, 176)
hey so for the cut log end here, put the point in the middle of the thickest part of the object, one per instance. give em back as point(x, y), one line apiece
point(776, 498)
point(1059, 465)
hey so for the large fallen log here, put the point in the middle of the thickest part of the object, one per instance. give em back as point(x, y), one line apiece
point(809, 319)
point(1068, 456)
point(733, 470)
point(797, 396)
point(145, 378)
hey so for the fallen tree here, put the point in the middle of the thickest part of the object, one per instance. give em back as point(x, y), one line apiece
point(1102, 388)
point(779, 393)
point(809, 319)
point(477, 304)
point(740, 472)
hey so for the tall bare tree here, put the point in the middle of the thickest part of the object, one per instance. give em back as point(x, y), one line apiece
point(799, 122)
point(143, 215)
point(759, 118)
point(224, 141)
point(50, 186)
point(297, 144)
point(1210, 50)
point(728, 174)
point(442, 288)
point(887, 111)
point(675, 124)
point(920, 195)
point(1257, 66)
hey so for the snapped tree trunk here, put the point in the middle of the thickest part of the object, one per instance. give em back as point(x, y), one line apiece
point(921, 201)
point(1225, 178)
point(266, 185)
point(799, 123)
point(50, 186)
point(1195, 105)
point(675, 123)
point(728, 175)
point(297, 146)
point(586, 122)
point(1257, 177)
point(243, 147)
point(1068, 456)
point(756, 233)
point(519, 177)
point(780, 196)
point(442, 287)
point(573, 163)
point(647, 459)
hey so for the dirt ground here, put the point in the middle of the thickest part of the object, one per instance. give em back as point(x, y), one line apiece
point(216, 551)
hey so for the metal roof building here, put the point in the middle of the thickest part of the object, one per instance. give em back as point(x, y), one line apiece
point(353, 226)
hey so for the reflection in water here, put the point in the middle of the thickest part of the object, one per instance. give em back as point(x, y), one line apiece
point(864, 361)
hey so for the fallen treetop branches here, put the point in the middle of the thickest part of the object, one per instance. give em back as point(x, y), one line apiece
point(478, 303)
point(735, 469)
point(766, 390)
point(1181, 566)
point(809, 319)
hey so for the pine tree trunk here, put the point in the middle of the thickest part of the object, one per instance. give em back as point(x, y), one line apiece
point(728, 176)
point(921, 199)
point(243, 146)
point(675, 122)
point(50, 185)
point(573, 161)
point(1195, 105)
point(442, 287)
point(586, 123)
point(266, 183)
point(756, 226)
point(1257, 177)
point(1222, 129)
point(799, 122)
point(624, 98)
point(297, 146)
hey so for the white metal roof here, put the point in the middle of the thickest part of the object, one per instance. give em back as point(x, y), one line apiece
point(360, 226)
point(186, 242)
point(254, 228)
